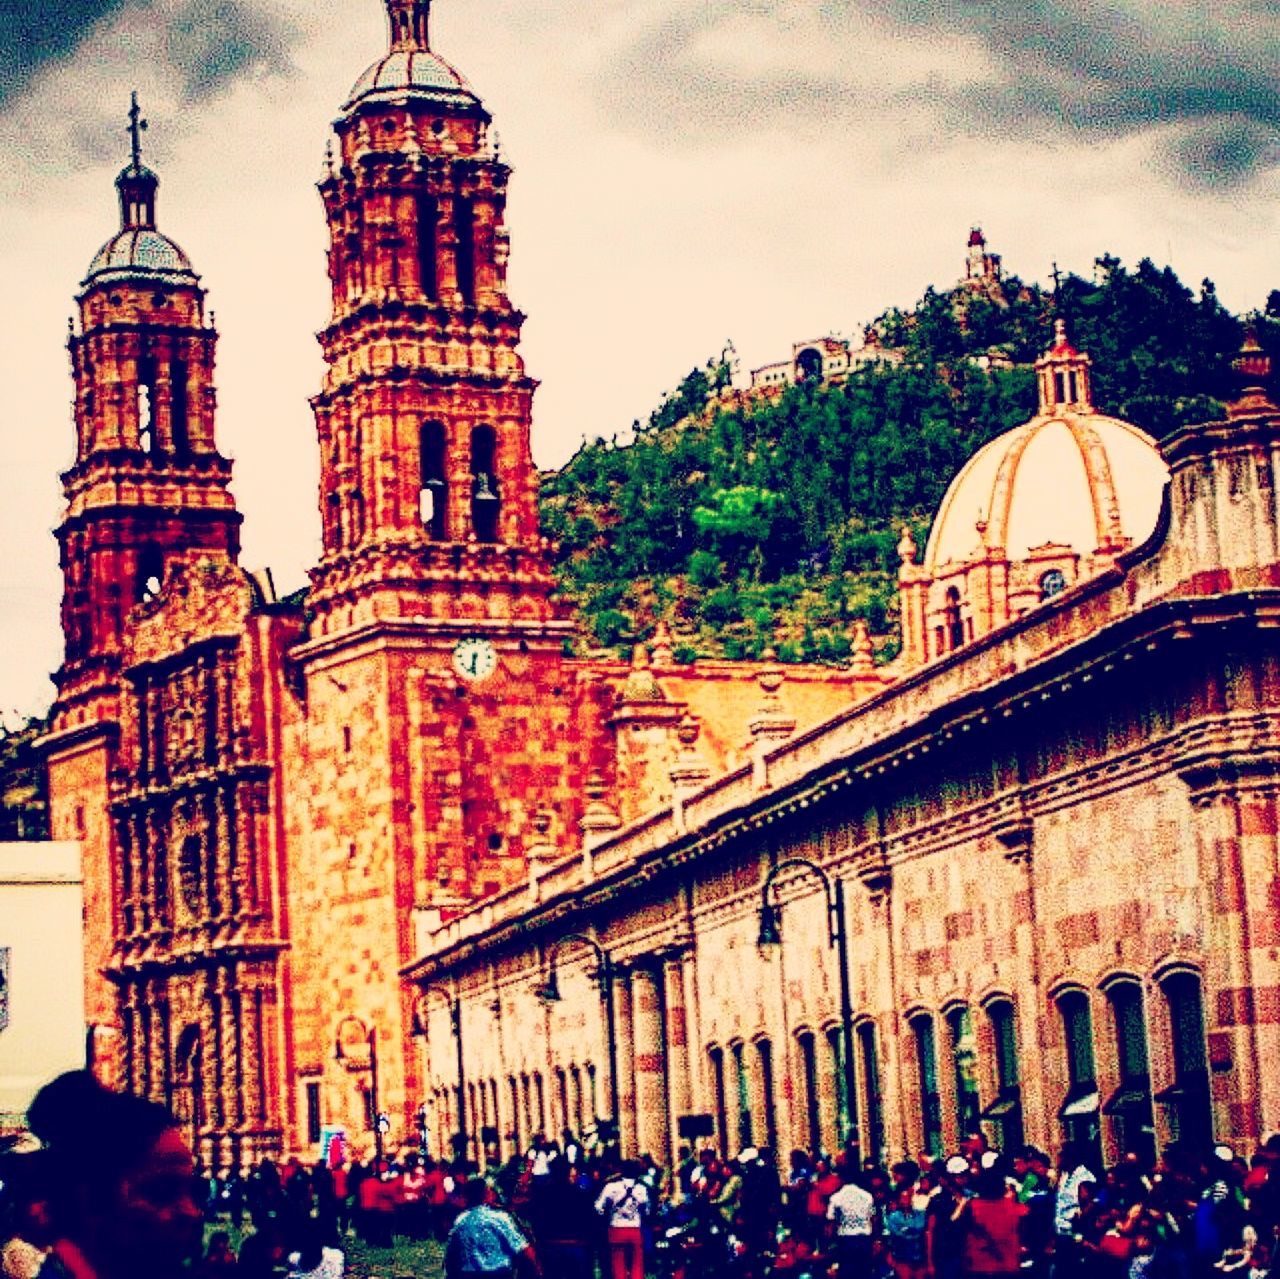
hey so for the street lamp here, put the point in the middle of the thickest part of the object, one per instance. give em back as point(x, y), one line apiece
point(341, 1053)
point(549, 993)
point(837, 937)
point(454, 1003)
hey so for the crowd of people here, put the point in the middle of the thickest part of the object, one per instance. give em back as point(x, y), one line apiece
point(112, 1194)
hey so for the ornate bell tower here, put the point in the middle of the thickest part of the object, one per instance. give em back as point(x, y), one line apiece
point(148, 482)
point(148, 486)
point(428, 489)
point(441, 716)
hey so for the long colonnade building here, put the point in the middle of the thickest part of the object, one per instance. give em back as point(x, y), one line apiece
point(341, 849)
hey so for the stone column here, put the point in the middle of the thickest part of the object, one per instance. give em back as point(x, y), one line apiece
point(677, 1050)
point(701, 1101)
point(1017, 840)
point(627, 1131)
point(1237, 860)
point(877, 879)
point(652, 1129)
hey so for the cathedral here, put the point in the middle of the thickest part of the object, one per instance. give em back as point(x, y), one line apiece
point(383, 859)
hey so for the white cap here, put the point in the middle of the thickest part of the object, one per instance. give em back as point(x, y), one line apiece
point(956, 1165)
point(748, 1156)
point(989, 1158)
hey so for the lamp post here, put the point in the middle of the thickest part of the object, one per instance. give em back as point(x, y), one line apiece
point(837, 937)
point(370, 1036)
point(549, 993)
point(461, 1139)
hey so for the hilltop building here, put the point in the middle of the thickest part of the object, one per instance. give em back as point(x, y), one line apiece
point(385, 848)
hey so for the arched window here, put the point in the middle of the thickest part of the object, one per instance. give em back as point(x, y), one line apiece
point(428, 219)
point(150, 573)
point(870, 1063)
point(146, 405)
point(433, 482)
point(562, 1095)
point(1188, 1101)
point(764, 1055)
point(809, 365)
point(486, 501)
point(954, 622)
point(743, 1098)
point(964, 1069)
point(813, 1110)
point(517, 1129)
point(1079, 1113)
point(1052, 583)
point(927, 1077)
point(716, 1058)
point(1006, 1109)
point(1129, 1107)
point(846, 1106)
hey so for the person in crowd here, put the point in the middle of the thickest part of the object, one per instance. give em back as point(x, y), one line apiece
point(219, 1261)
point(906, 1226)
point(485, 1242)
point(625, 1205)
point(851, 1214)
point(992, 1224)
point(119, 1194)
point(312, 1257)
point(564, 1224)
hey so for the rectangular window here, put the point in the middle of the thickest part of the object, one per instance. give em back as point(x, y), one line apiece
point(313, 1114)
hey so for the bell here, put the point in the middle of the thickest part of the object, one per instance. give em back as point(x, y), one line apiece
point(484, 488)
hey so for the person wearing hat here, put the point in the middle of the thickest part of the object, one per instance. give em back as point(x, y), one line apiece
point(851, 1217)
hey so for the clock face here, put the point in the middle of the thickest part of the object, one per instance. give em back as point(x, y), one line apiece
point(475, 659)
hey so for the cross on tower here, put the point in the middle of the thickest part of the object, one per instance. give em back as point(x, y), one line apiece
point(137, 126)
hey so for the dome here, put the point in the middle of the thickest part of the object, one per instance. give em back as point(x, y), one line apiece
point(1084, 481)
point(142, 251)
point(1069, 477)
point(417, 71)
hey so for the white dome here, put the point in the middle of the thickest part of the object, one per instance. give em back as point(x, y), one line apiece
point(1081, 480)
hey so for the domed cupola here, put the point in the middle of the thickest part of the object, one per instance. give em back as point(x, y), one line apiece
point(138, 250)
point(1035, 511)
point(410, 69)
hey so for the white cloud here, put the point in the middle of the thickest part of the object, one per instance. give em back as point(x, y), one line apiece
point(647, 225)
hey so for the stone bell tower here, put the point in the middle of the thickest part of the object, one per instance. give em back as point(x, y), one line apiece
point(428, 489)
point(148, 482)
point(441, 715)
point(147, 486)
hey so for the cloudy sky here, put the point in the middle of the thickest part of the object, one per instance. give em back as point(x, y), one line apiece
point(686, 171)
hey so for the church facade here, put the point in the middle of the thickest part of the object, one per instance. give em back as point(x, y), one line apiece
point(383, 849)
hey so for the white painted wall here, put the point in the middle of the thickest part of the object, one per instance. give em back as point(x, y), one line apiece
point(42, 925)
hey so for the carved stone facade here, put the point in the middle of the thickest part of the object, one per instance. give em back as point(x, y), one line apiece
point(275, 798)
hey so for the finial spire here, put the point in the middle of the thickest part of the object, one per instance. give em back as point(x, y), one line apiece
point(137, 127)
point(410, 24)
point(137, 184)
